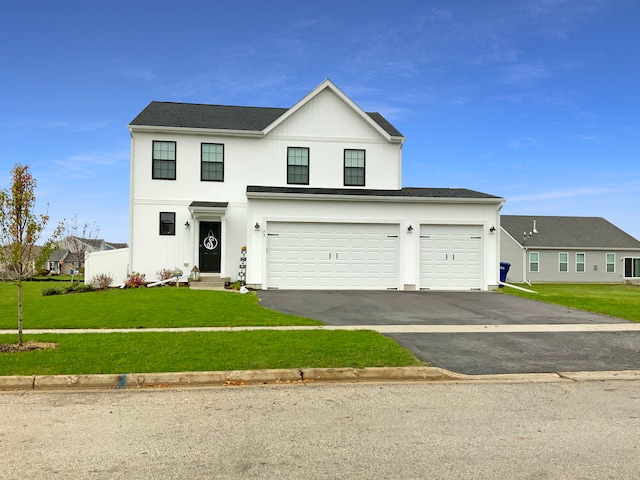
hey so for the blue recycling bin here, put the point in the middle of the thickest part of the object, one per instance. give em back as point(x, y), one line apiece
point(504, 269)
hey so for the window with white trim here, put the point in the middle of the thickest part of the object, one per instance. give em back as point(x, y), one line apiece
point(534, 262)
point(611, 262)
point(563, 262)
point(580, 262)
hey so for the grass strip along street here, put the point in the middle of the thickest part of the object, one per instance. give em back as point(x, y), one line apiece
point(615, 300)
point(141, 352)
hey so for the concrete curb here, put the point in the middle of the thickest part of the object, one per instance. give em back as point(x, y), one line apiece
point(291, 376)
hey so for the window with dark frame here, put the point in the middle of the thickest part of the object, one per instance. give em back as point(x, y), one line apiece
point(631, 267)
point(167, 223)
point(212, 162)
point(298, 165)
point(354, 168)
point(164, 160)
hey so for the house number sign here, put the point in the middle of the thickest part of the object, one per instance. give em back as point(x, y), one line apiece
point(210, 242)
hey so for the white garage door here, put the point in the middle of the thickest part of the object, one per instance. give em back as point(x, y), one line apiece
point(450, 257)
point(332, 255)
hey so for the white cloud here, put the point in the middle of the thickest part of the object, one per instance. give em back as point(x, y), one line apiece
point(86, 164)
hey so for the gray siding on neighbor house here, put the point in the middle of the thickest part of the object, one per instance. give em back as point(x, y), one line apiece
point(549, 236)
point(595, 270)
point(511, 252)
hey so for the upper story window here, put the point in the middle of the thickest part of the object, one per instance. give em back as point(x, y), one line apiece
point(354, 168)
point(167, 223)
point(212, 162)
point(611, 262)
point(534, 261)
point(164, 160)
point(298, 165)
point(563, 262)
point(580, 262)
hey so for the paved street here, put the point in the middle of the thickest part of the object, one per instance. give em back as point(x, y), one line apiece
point(565, 430)
point(486, 352)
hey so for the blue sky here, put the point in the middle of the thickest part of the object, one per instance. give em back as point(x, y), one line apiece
point(533, 100)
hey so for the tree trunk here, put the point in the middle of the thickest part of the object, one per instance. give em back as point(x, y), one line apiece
point(19, 311)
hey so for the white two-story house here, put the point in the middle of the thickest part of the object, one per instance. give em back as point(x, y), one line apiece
point(314, 192)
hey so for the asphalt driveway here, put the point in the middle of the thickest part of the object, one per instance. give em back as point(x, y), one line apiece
point(473, 353)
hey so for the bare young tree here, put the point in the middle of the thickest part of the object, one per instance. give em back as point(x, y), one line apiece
point(79, 238)
point(20, 231)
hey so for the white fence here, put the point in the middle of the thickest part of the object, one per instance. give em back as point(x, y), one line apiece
point(111, 262)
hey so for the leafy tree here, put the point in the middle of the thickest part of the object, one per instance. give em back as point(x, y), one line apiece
point(20, 230)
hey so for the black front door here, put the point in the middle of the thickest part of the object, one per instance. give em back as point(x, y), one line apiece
point(210, 246)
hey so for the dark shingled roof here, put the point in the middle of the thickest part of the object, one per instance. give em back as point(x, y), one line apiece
point(461, 193)
point(568, 232)
point(197, 204)
point(223, 117)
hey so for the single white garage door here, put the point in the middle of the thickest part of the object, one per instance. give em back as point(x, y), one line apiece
point(332, 255)
point(450, 257)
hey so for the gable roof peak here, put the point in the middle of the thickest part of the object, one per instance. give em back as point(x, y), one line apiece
point(374, 119)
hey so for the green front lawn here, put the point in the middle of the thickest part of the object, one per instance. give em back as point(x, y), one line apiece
point(137, 308)
point(142, 352)
point(195, 351)
point(616, 300)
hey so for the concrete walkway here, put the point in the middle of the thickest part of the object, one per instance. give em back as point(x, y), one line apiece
point(502, 328)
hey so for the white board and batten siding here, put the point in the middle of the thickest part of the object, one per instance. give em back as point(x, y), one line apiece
point(303, 255)
point(450, 257)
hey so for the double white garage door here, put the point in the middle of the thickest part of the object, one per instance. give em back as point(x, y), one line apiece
point(332, 256)
point(367, 256)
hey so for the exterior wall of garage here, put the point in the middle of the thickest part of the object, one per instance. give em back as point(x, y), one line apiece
point(399, 212)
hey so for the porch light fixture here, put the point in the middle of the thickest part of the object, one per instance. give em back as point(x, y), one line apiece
point(187, 224)
point(492, 229)
point(410, 229)
point(257, 226)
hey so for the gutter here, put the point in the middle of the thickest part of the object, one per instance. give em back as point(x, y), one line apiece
point(369, 198)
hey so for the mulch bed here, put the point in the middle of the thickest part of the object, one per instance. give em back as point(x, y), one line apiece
point(26, 346)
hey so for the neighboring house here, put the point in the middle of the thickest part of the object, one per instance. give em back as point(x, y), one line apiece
point(314, 192)
point(567, 249)
point(67, 256)
point(6, 273)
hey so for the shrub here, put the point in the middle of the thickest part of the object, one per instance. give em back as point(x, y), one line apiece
point(101, 281)
point(164, 274)
point(135, 279)
point(71, 288)
point(52, 291)
point(80, 287)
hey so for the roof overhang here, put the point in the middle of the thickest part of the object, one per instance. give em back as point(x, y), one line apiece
point(196, 131)
point(208, 208)
point(389, 196)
